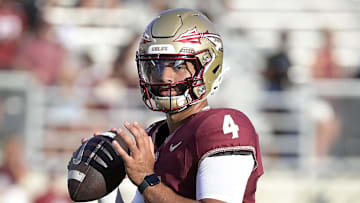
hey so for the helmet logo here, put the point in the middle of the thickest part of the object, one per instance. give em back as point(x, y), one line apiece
point(161, 49)
point(193, 36)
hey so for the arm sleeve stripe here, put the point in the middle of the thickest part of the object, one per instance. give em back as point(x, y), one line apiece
point(230, 149)
point(227, 153)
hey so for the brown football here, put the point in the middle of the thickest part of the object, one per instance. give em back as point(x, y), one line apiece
point(95, 168)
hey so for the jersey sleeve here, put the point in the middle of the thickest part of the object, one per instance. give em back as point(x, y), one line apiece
point(224, 132)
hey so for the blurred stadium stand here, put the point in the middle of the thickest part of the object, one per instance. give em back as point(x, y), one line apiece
point(52, 119)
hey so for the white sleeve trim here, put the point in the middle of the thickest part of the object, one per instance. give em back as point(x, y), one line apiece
point(224, 177)
point(226, 149)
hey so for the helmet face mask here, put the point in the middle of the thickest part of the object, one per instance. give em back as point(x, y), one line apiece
point(159, 74)
point(184, 42)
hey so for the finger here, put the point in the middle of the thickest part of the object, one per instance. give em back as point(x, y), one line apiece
point(140, 128)
point(142, 132)
point(152, 147)
point(124, 156)
point(147, 138)
point(137, 134)
point(131, 127)
point(83, 140)
point(129, 142)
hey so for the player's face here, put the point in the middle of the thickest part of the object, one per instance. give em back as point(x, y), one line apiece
point(168, 76)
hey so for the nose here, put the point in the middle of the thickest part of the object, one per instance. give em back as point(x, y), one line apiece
point(168, 75)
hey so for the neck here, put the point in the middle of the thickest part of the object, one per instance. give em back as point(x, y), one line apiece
point(176, 119)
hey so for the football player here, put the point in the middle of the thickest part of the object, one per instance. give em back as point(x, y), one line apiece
point(198, 153)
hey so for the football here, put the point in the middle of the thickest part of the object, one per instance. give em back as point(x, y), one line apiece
point(95, 169)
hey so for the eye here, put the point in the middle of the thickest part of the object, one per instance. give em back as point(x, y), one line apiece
point(180, 67)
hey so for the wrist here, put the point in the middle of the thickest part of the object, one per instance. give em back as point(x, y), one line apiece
point(149, 181)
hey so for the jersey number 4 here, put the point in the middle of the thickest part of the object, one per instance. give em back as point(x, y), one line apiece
point(229, 126)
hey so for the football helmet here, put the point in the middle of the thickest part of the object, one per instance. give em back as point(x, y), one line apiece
point(179, 38)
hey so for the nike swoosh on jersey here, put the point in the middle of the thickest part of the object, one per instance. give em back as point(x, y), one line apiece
point(173, 147)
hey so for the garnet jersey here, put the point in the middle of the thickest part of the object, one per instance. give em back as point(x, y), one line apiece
point(204, 134)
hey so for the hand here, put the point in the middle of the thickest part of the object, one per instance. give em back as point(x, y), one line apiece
point(141, 160)
point(85, 139)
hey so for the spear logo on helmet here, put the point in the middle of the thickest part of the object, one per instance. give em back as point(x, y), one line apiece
point(193, 36)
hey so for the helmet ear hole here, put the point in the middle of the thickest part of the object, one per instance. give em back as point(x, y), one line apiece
point(215, 70)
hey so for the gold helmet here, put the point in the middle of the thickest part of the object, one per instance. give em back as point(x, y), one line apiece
point(177, 37)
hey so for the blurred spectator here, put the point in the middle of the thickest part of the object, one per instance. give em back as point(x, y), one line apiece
point(327, 122)
point(276, 101)
point(325, 64)
point(99, 3)
point(327, 127)
point(88, 74)
point(69, 100)
point(12, 26)
point(124, 66)
point(283, 110)
point(277, 66)
point(56, 191)
point(158, 5)
point(33, 13)
point(41, 54)
point(14, 165)
point(124, 75)
point(13, 172)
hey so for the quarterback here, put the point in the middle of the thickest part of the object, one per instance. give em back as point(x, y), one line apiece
point(198, 153)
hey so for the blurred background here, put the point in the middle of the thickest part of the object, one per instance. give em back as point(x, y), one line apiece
point(67, 69)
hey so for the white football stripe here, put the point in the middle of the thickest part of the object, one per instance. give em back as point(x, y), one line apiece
point(109, 134)
point(107, 153)
point(76, 175)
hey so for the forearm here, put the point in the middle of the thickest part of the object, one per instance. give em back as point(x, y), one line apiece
point(162, 194)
